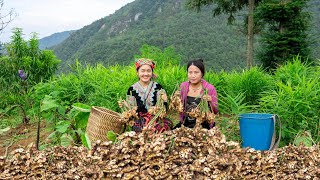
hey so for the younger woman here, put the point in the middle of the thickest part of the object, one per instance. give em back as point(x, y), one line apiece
point(193, 90)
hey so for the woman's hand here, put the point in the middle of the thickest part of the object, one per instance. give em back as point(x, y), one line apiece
point(123, 103)
point(164, 97)
point(120, 103)
point(207, 98)
point(177, 93)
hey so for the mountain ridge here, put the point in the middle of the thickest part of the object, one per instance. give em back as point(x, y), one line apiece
point(54, 39)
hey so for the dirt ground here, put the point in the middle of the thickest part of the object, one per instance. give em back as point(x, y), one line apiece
point(21, 136)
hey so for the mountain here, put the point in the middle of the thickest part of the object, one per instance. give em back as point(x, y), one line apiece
point(162, 23)
point(54, 39)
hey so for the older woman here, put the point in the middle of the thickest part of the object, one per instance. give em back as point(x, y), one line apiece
point(146, 93)
point(193, 90)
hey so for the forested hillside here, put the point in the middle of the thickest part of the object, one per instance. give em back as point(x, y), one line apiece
point(162, 23)
point(54, 39)
point(315, 27)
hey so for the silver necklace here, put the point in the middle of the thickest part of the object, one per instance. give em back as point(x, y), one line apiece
point(195, 89)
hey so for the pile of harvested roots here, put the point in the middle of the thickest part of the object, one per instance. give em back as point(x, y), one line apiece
point(179, 154)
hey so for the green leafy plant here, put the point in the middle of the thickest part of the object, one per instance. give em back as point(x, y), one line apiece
point(234, 106)
point(229, 126)
point(305, 138)
point(23, 67)
point(69, 124)
point(295, 100)
point(252, 83)
point(112, 136)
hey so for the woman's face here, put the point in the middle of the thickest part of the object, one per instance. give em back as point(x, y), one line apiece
point(194, 74)
point(145, 73)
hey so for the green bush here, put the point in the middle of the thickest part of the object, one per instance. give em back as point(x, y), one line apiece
point(292, 72)
point(295, 99)
point(252, 83)
point(24, 66)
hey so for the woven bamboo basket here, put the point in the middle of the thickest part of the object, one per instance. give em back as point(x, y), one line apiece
point(102, 120)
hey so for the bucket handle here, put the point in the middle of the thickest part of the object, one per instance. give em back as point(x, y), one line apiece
point(275, 144)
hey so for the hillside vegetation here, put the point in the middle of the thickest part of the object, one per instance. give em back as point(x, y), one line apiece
point(116, 38)
point(162, 23)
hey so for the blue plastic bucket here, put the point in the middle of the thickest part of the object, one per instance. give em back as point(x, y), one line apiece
point(256, 130)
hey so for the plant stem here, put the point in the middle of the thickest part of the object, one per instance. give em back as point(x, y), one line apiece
point(78, 138)
point(38, 133)
point(25, 119)
point(6, 153)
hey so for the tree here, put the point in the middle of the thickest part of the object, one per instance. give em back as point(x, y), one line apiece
point(232, 7)
point(286, 35)
point(250, 34)
point(40, 65)
point(25, 66)
point(5, 18)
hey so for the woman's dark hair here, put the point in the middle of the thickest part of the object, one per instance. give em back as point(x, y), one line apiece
point(198, 63)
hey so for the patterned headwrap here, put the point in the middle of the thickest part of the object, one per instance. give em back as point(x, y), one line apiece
point(144, 61)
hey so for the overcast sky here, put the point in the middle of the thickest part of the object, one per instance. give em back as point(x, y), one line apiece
point(50, 16)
